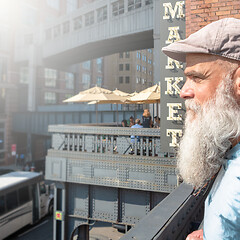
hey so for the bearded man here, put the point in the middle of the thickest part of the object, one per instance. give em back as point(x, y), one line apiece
point(210, 144)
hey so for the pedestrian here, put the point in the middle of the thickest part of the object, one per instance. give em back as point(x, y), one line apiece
point(210, 144)
point(137, 125)
point(146, 119)
point(131, 121)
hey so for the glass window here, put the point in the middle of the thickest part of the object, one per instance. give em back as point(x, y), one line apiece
point(99, 81)
point(86, 65)
point(120, 80)
point(72, 5)
point(50, 98)
point(127, 54)
point(2, 205)
point(3, 69)
point(69, 78)
point(78, 23)
point(53, 3)
point(86, 80)
point(89, 18)
point(118, 8)
point(147, 2)
point(66, 27)
point(99, 64)
point(138, 68)
point(134, 4)
point(24, 75)
point(127, 67)
point(1, 141)
point(68, 96)
point(120, 55)
point(50, 77)
point(11, 200)
point(23, 194)
point(144, 69)
point(2, 108)
point(56, 31)
point(101, 14)
point(127, 79)
point(120, 67)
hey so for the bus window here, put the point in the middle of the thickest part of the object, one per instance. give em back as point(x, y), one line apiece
point(11, 200)
point(23, 194)
point(2, 205)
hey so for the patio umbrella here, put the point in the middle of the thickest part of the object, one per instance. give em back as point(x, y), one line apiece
point(149, 95)
point(96, 95)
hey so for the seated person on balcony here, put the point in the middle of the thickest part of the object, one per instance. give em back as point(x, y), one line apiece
point(124, 123)
point(137, 125)
point(156, 122)
point(131, 121)
point(210, 145)
point(146, 119)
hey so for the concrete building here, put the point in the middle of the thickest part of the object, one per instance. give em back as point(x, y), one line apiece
point(24, 85)
point(130, 71)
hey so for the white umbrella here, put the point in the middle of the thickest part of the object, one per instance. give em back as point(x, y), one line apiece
point(96, 95)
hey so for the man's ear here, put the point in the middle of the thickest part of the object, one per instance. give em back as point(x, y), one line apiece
point(236, 79)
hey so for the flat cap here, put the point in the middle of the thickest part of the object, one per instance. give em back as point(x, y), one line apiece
point(221, 38)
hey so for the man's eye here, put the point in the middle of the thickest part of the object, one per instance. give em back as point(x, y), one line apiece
point(196, 79)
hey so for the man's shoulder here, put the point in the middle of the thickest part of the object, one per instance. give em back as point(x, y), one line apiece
point(137, 126)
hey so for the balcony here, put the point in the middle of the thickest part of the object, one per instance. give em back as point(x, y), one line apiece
point(104, 174)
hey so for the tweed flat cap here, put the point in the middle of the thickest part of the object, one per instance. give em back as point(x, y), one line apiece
point(217, 38)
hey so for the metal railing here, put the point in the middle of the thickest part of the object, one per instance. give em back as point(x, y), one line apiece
point(174, 218)
point(113, 140)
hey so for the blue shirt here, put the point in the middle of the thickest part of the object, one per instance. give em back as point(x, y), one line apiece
point(133, 137)
point(222, 206)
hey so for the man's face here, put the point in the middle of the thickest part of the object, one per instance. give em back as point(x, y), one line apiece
point(212, 119)
point(203, 75)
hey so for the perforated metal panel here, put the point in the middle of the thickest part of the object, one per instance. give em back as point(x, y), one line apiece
point(105, 203)
point(124, 173)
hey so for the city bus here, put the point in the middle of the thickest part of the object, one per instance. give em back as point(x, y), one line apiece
point(24, 200)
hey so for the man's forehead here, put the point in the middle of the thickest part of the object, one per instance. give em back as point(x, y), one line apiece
point(194, 58)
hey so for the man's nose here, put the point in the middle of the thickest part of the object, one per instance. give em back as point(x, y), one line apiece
point(187, 91)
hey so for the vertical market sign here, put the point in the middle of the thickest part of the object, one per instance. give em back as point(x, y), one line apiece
point(172, 29)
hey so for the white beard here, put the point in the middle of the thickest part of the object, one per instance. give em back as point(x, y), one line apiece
point(208, 131)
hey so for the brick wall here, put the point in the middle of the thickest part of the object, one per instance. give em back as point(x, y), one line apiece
point(202, 12)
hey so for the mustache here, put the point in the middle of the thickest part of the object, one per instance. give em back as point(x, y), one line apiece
point(192, 105)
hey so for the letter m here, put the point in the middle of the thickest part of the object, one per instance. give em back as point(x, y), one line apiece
point(169, 11)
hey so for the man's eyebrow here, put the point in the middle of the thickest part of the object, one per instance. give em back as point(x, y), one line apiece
point(194, 74)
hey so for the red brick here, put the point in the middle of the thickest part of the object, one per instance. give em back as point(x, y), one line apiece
point(198, 11)
point(211, 1)
point(205, 5)
point(220, 13)
point(219, 4)
point(225, 8)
